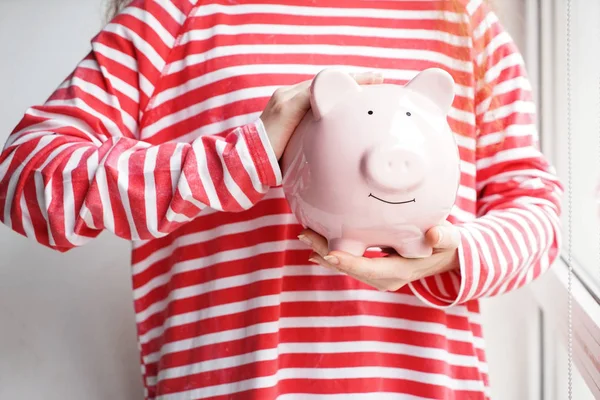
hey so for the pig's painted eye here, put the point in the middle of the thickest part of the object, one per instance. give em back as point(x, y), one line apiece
point(408, 114)
point(370, 112)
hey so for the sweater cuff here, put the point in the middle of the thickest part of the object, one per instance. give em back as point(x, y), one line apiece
point(262, 153)
point(450, 288)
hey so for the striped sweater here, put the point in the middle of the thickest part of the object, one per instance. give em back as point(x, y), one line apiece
point(155, 136)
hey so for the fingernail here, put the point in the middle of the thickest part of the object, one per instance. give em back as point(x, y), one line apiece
point(332, 260)
point(440, 236)
point(305, 240)
point(314, 261)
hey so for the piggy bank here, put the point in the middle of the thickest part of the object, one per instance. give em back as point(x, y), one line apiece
point(374, 166)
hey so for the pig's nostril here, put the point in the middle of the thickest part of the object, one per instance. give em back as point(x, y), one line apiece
point(403, 167)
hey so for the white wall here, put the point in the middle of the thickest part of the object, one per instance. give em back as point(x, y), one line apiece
point(66, 321)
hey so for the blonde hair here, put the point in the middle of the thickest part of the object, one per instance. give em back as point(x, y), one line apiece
point(114, 6)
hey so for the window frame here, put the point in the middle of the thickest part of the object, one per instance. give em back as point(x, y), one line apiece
point(550, 291)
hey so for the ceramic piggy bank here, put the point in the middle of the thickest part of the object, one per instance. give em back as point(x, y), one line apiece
point(374, 165)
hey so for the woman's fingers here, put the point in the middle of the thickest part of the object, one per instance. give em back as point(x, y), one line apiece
point(315, 241)
point(362, 78)
point(302, 87)
point(443, 237)
point(318, 259)
point(368, 78)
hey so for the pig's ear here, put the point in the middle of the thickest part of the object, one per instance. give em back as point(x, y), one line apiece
point(435, 84)
point(328, 88)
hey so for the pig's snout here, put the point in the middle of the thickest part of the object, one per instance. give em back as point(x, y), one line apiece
point(394, 169)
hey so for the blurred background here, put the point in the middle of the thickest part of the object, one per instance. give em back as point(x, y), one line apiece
point(66, 321)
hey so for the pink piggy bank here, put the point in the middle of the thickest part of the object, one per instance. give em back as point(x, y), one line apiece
point(376, 165)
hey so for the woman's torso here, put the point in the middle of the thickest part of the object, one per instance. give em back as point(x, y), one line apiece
point(228, 306)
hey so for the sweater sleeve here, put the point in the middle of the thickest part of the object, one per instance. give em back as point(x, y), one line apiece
point(516, 234)
point(74, 166)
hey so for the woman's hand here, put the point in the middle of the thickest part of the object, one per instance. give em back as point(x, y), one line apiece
point(392, 272)
point(289, 105)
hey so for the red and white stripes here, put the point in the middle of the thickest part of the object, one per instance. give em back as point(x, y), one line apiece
point(155, 136)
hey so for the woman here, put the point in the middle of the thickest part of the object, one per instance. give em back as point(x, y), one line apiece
point(167, 135)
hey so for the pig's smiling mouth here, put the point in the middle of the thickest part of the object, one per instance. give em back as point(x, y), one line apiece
point(392, 202)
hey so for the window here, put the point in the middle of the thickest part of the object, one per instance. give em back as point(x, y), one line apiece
point(580, 390)
point(585, 126)
point(547, 49)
